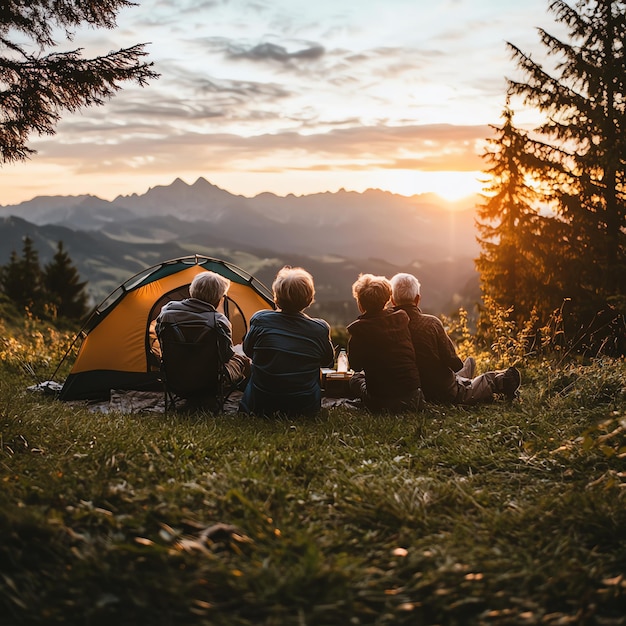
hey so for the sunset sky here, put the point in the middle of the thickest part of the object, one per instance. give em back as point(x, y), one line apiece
point(290, 96)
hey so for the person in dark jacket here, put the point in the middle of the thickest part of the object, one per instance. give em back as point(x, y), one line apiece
point(206, 292)
point(287, 348)
point(381, 352)
point(444, 377)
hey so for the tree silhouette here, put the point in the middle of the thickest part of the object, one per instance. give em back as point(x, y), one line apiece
point(63, 287)
point(35, 87)
point(509, 223)
point(11, 280)
point(522, 263)
point(56, 291)
point(21, 278)
point(553, 226)
point(583, 145)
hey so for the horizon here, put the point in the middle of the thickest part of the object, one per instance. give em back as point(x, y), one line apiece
point(451, 204)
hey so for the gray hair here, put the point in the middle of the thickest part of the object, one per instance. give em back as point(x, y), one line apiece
point(209, 286)
point(404, 288)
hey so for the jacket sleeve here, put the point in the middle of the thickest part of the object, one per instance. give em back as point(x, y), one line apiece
point(447, 351)
point(250, 339)
point(158, 326)
point(237, 368)
point(224, 340)
point(328, 351)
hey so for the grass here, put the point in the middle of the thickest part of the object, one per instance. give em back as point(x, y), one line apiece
point(502, 514)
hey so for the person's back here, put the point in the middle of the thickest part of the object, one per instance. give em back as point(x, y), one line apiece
point(380, 345)
point(191, 365)
point(206, 291)
point(287, 351)
point(287, 348)
point(189, 310)
point(435, 354)
point(443, 375)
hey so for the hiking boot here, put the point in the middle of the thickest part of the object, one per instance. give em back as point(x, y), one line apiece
point(510, 383)
point(468, 369)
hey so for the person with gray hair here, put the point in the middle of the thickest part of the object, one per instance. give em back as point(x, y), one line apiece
point(444, 377)
point(287, 348)
point(209, 287)
point(205, 294)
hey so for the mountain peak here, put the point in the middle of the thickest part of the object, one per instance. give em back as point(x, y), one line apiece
point(203, 182)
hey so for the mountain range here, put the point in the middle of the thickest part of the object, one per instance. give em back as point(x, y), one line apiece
point(333, 235)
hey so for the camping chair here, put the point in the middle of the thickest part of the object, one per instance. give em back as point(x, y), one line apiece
point(191, 365)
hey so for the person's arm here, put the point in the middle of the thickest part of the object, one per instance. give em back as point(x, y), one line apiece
point(249, 340)
point(158, 324)
point(163, 318)
point(224, 339)
point(155, 344)
point(447, 350)
point(328, 351)
point(236, 366)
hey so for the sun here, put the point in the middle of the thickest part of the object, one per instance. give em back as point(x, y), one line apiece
point(449, 185)
point(453, 186)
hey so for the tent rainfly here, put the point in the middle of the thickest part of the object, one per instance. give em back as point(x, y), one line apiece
point(118, 338)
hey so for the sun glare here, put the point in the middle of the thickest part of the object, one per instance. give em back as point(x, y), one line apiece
point(450, 186)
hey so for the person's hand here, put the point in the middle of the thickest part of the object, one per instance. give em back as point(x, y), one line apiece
point(238, 349)
point(247, 367)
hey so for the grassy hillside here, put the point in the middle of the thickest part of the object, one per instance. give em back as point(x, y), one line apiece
point(503, 514)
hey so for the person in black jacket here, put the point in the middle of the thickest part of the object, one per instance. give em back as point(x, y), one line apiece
point(380, 347)
point(445, 378)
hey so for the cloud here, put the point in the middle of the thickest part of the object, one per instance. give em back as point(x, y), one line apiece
point(426, 148)
point(208, 103)
point(248, 88)
point(274, 52)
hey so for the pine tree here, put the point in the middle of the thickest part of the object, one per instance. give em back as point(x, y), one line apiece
point(11, 280)
point(22, 281)
point(522, 263)
point(510, 227)
point(583, 142)
point(63, 287)
point(36, 87)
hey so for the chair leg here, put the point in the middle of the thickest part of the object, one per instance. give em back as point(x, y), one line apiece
point(169, 399)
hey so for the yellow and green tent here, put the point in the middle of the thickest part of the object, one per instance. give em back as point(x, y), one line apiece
point(118, 346)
